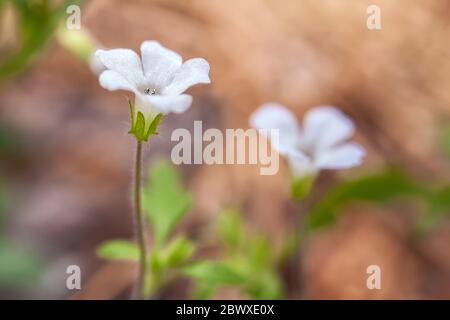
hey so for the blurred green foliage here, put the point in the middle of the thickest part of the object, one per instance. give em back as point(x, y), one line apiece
point(444, 140)
point(3, 204)
point(250, 256)
point(164, 200)
point(177, 252)
point(36, 23)
point(209, 275)
point(19, 268)
point(119, 250)
point(301, 187)
point(381, 188)
point(9, 141)
point(437, 207)
point(249, 262)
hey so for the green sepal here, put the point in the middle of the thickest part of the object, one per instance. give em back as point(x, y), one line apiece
point(301, 187)
point(131, 107)
point(137, 128)
point(139, 124)
point(154, 125)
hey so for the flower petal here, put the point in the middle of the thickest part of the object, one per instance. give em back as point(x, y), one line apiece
point(341, 157)
point(111, 80)
point(192, 72)
point(275, 116)
point(159, 63)
point(325, 127)
point(123, 61)
point(166, 104)
point(299, 163)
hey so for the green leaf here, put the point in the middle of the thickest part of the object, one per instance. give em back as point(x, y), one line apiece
point(438, 206)
point(177, 252)
point(155, 261)
point(162, 262)
point(259, 253)
point(18, 267)
point(230, 229)
point(164, 200)
point(203, 291)
point(249, 256)
point(258, 267)
point(440, 199)
point(380, 187)
point(212, 273)
point(36, 22)
point(265, 285)
point(119, 250)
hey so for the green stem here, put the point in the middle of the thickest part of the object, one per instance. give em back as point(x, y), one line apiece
point(302, 208)
point(139, 221)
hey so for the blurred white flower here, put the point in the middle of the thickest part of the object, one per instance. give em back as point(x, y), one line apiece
point(158, 80)
point(96, 66)
point(82, 44)
point(320, 144)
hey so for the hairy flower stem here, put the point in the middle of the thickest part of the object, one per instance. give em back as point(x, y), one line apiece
point(139, 221)
point(302, 208)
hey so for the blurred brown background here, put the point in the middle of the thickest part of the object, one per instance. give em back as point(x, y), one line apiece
point(72, 179)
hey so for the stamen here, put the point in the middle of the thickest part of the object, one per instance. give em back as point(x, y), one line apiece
point(150, 91)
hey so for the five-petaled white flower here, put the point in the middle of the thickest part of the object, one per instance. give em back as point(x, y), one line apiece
point(158, 82)
point(321, 144)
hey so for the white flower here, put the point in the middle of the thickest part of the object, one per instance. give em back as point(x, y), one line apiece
point(158, 82)
point(320, 144)
point(96, 66)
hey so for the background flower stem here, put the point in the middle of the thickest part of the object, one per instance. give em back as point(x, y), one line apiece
point(139, 221)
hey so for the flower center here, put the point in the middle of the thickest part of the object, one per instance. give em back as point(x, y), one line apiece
point(150, 91)
point(308, 151)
